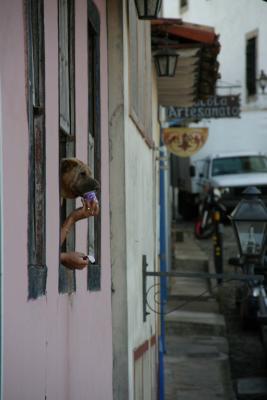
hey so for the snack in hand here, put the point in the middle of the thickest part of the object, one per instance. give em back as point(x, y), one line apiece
point(90, 258)
point(90, 196)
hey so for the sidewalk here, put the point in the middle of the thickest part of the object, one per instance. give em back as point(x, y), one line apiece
point(197, 358)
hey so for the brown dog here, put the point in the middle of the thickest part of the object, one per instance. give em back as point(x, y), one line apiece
point(76, 178)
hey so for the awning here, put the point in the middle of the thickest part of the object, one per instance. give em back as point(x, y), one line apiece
point(197, 67)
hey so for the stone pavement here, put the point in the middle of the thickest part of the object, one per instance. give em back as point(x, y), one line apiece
point(197, 359)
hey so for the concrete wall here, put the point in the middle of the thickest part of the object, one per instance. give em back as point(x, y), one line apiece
point(117, 200)
point(233, 21)
point(134, 209)
point(141, 194)
point(58, 346)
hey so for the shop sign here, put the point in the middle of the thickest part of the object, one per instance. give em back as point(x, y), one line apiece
point(213, 107)
point(184, 142)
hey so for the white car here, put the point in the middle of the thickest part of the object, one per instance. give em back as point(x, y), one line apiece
point(232, 173)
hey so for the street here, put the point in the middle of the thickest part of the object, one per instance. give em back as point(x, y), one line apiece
point(246, 352)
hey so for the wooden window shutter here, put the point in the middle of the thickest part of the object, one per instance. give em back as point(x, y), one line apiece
point(37, 270)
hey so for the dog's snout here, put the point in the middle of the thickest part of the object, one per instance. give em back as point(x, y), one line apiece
point(89, 185)
point(96, 184)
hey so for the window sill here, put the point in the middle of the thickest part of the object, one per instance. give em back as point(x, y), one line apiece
point(37, 276)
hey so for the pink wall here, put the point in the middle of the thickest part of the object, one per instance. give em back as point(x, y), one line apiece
point(58, 345)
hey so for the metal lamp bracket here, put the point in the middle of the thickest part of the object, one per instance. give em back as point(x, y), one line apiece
point(202, 275)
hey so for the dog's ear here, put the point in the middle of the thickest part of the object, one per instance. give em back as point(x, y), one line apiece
point(66, 164)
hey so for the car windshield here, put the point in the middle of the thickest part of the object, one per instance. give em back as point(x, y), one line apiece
point(239, 165)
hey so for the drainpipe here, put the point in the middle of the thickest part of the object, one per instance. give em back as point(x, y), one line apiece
point(1, 249)
point(163, 268)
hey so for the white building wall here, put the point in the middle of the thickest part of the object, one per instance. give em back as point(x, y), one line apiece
point(134, 220)
point(141, 195)
point(170, 8)
point(232, 20)
point(141, 180)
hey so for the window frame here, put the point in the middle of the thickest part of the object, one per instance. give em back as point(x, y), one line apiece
point(184, 5)
point(251, 96)
point(140, 76)
point(37, 269)
point(67, 138)
point(94, 138)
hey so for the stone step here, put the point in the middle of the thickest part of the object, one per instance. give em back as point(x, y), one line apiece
point(189, 250)
point(188, 242)
point(193, 304)
point(184, 323)
point(190, 263)
point(196, 346)
point(190, 287)
point(189, 257)
point(202, 377)
point(177, 236)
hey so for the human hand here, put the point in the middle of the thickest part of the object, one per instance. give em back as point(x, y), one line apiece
point(89, 209)
point(91, 206)
point(74, 260)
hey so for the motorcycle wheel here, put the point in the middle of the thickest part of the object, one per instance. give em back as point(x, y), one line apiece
point(204, 231)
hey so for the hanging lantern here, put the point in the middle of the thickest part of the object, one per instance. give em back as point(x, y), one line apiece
point(147, 9)
point(249, 220)
point(262, 81)
point(165, 61)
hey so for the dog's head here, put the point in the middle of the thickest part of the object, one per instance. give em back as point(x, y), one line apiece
point(76, 178)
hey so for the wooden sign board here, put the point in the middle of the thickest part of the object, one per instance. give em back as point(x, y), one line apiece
point(184, 142)
point(214, 107)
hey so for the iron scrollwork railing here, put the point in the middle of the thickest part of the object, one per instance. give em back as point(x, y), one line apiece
point(202, 275)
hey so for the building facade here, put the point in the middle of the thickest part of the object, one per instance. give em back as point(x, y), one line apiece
point(78, 80)
point(56, 324)
point(134, 139)
point(243, 34)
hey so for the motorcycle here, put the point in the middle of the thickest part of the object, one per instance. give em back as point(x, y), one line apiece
point(251, 297)
point(204, 226)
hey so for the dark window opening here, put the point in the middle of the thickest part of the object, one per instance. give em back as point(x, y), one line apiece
point(37, 270)
point(67, 282)
point(183, 3)
point(94, 150)
point(251, 48)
